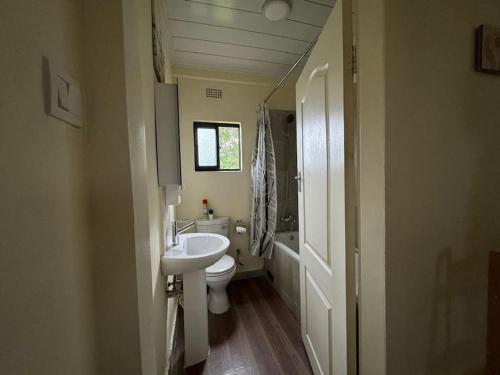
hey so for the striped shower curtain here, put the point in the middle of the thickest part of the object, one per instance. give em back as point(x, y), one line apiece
point(264, 201)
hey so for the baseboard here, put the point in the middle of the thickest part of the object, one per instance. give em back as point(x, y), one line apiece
point(248, 274)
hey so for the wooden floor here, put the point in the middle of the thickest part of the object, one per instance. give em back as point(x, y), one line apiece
point(258, 335)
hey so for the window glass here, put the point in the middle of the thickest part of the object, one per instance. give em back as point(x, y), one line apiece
point(229, 148)
point(207, 147)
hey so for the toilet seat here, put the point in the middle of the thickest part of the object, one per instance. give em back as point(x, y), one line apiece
point(224, 266)
point(229, 274)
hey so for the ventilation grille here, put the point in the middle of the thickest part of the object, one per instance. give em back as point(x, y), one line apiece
point(213, 93)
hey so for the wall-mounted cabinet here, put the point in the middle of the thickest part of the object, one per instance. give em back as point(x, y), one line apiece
point(167, 135)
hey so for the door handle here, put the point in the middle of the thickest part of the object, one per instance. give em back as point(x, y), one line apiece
point(298, 178)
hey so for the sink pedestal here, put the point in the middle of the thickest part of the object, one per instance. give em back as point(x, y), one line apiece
point(195, 317)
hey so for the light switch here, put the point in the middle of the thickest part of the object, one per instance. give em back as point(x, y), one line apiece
point(75, 100)
point(65, 96)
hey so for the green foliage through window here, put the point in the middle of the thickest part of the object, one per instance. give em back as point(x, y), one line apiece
point(229, 148)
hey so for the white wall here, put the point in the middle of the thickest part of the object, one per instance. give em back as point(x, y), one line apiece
point(81, 211)
point(165, 310)
point(370, 21)
point(149, 201)
point(140, 117)
point(442, 178)
point(228, 193)
point(131, 310)
point(115, 279)
point(155, 318)
point(45, 253)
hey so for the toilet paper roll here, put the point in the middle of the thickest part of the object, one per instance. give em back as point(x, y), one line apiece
point(241, 230)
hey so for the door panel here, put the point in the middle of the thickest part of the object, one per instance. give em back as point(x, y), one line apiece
point(318, 324)
point(315, 151)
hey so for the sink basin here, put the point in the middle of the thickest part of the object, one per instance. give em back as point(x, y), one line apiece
point(195, 251)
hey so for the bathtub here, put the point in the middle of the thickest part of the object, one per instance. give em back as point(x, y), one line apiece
point(289, 242)
point(282, 270)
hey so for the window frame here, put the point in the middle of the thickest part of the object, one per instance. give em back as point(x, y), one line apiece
point(215, 125)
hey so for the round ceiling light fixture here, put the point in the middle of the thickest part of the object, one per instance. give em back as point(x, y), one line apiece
point(276, 10)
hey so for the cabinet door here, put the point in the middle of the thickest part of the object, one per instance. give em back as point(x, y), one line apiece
point(167, 135)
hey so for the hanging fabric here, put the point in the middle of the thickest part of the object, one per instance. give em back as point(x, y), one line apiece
point(264, 200)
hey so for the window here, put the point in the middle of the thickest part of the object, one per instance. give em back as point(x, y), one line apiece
point(217, 147)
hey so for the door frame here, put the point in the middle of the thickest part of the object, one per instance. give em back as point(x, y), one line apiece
point(369, 28)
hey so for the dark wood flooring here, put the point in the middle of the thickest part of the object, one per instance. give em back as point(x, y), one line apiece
point(258, 335)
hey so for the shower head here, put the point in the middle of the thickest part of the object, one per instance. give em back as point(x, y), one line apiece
point(289, 120)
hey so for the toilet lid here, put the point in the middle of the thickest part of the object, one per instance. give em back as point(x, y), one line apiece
point(224, 264)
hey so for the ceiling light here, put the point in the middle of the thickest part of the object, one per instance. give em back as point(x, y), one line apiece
point(275, 10)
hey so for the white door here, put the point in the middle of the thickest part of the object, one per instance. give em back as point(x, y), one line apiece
point(326, 282)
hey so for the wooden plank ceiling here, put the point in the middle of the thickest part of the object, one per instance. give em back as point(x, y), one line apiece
point(235, 35)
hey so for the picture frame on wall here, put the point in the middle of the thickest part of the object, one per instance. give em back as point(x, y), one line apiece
point(488, 49)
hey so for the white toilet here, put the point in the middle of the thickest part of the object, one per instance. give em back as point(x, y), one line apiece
point(221, 272)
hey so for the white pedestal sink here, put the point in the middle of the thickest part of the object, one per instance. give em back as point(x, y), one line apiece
point(194, 253)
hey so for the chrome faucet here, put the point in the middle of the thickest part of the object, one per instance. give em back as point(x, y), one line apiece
point(176, 230)
point(290, 220)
